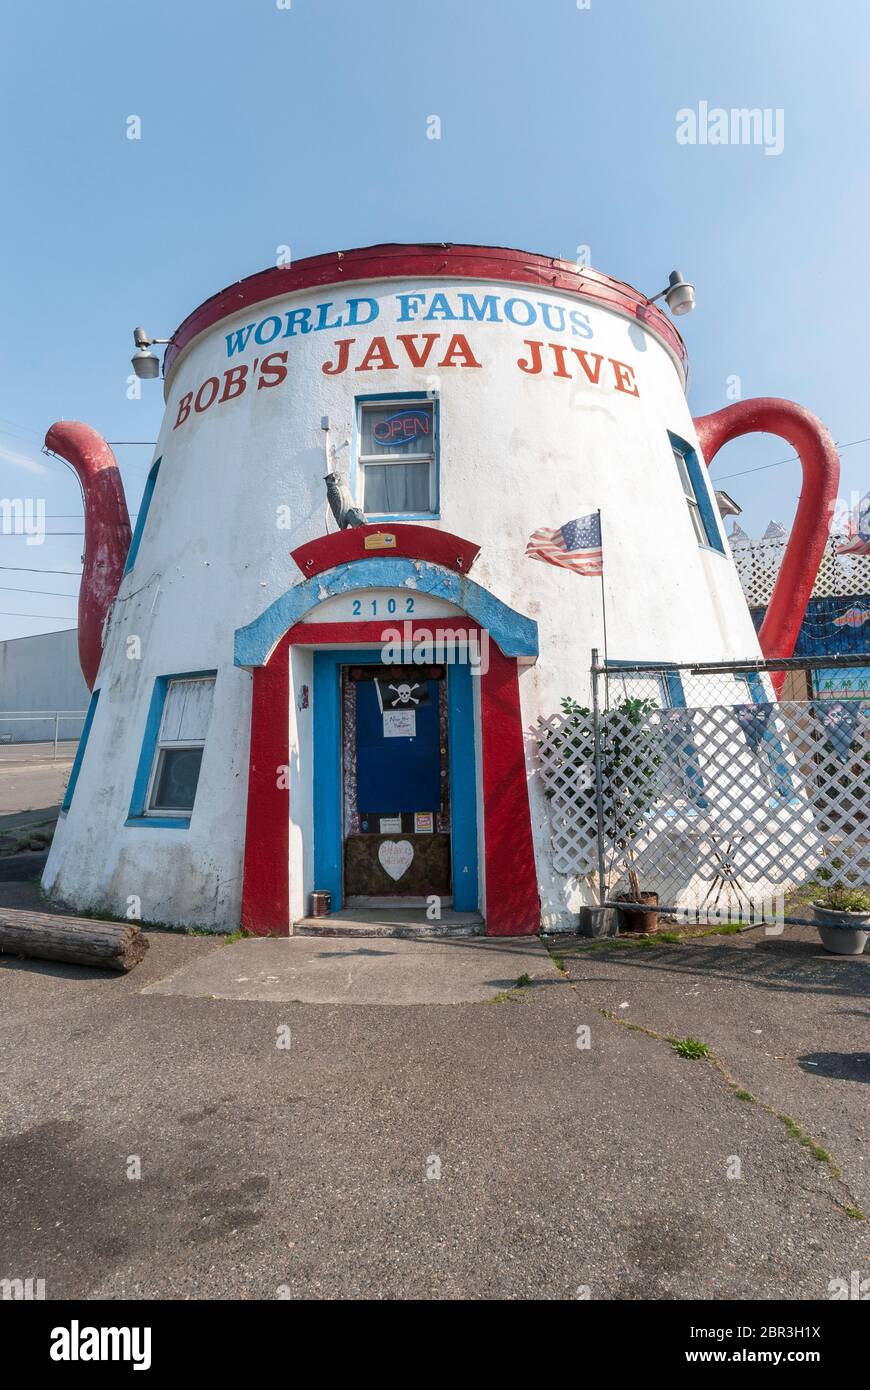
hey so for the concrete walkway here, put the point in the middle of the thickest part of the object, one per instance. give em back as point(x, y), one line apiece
point(312, 970)
point(391, 921)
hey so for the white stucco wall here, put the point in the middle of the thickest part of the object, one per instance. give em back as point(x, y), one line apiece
point(241, 485)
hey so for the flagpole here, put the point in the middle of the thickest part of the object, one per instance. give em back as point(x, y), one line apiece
point(604, 617)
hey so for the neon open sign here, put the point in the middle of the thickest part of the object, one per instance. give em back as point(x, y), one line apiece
point(402, 427)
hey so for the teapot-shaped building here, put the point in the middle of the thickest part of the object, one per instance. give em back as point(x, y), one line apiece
point(300, 687)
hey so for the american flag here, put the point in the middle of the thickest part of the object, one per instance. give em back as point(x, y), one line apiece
point(575, 546)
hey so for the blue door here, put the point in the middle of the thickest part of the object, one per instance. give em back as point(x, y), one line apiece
point(398, 747)
point(408, 787)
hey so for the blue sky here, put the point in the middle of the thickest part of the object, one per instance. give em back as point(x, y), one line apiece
point(306, 126)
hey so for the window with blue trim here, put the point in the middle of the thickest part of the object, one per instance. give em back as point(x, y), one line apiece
point(702, 510)
point(143, 513)
point(397, 455)
point(172, 749)
point(80, 752)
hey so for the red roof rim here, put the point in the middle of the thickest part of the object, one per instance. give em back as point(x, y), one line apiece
point(444, 260)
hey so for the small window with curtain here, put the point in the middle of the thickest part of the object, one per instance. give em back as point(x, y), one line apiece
point(702, 512)
point(397, 456)
point(180, 742)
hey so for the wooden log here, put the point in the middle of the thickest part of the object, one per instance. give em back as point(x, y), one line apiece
point(79, 940)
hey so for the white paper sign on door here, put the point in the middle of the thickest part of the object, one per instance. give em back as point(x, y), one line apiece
point(400, 723)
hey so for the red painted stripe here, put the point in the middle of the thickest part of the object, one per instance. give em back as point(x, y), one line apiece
point(513, 906)
point(351, 634)
point(390, 261)
point(266, 887)
point(416, 542)
point(266, 884)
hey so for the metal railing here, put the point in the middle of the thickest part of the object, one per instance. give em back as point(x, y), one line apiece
point(19, 728)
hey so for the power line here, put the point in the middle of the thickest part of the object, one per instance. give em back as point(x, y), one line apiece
point(793, 458)
point(49, 617)
point(25, 569)
point(28, 429)
point(49, 593)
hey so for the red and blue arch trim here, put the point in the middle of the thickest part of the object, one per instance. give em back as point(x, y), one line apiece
point(512, 902)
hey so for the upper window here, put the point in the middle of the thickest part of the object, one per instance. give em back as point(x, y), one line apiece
point(397, 456)
point(179, 746)
point(697, 495)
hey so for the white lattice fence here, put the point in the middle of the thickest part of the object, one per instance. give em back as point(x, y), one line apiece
point(739, 799)
point(758, 564)
point(565, 754)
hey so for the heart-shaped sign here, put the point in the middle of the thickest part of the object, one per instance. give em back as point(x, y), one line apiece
point(395, 857)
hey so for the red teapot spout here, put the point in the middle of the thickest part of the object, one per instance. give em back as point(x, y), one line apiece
point(107, 532)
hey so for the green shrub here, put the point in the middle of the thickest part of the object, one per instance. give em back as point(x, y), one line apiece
point(842, 898)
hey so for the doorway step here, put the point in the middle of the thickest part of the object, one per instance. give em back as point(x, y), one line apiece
point(384, 921)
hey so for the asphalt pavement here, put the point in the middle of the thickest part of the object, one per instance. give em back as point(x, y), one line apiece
point(158, 1142)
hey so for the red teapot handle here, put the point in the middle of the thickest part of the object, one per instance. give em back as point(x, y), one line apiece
point(806, 544)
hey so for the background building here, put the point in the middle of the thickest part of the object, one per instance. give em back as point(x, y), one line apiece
point(41, 675)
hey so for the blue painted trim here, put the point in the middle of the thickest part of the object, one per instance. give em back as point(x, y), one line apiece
point(676, 695)
point(143, 513)
point(80, 751)
point(136, 815)
point(403, 516)
point(674, 687)
point(328, 839)
point(786, 790)
point(700, 481)
point(756, 689)
point(328, 836)
point(463, 788)
point(515, 634)
point(435, 398)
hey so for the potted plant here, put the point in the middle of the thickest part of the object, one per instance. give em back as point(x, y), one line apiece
point(844, 917)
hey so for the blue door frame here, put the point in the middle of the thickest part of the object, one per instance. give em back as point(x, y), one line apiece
point(328, 837)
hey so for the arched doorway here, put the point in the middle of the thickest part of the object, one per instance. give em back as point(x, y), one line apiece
point(303, 651)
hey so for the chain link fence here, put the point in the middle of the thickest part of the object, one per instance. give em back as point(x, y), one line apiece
point(713, 785)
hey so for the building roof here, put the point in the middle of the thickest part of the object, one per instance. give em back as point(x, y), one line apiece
point(429, 260)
